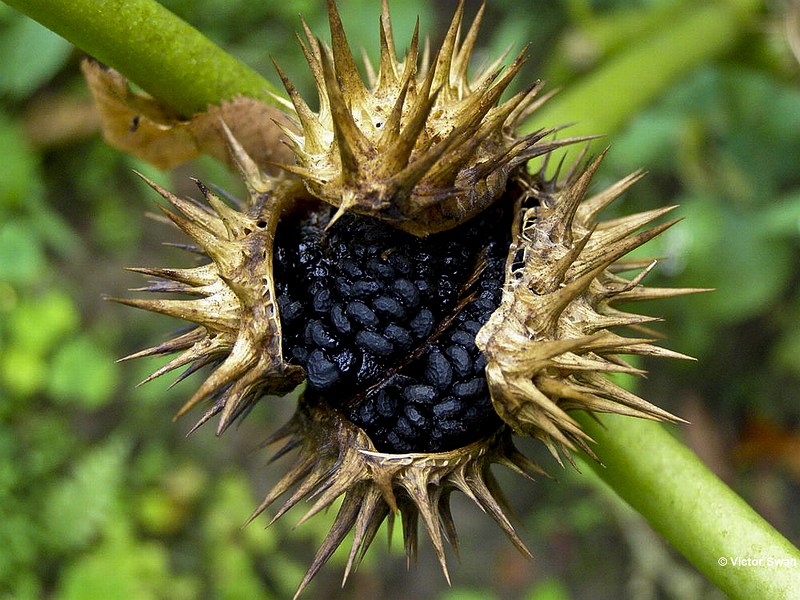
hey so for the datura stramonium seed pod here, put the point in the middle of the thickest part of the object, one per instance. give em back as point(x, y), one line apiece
point(436, 297)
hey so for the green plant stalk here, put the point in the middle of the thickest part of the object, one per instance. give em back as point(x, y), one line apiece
point(658, 476)
point(692, 509)
point(153, 48)
point(604, 100)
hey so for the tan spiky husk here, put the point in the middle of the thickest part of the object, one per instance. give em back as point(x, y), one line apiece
point(445, 150)
point(376, 486)
point(423, 147)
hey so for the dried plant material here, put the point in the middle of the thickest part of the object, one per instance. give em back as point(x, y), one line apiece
point(140, 125)
point(424, 147)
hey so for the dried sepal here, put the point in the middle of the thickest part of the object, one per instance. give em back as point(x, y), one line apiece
point(335, 458)
point(550, 343)
point(233, 301)
point(142, 126)
point(423, 148)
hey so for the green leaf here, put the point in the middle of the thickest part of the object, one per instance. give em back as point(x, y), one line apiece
point(79, 506)
point(36, 325)
point(83, 373)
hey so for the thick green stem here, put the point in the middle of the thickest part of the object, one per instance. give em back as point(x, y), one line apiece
point(152, 47)
point(604, 100)
point(691, 508)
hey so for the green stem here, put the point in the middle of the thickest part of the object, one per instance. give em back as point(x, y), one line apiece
point(603, 101)
point(152, 47)
point(692, 509)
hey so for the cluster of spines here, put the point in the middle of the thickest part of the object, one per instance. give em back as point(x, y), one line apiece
point(424, 148)
point(377, 486)
point(550, 345)
point(234, 306)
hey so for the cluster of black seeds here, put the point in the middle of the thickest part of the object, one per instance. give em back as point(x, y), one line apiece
point(384, 323)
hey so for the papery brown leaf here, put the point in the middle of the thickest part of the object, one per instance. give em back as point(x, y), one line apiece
point(140, 125)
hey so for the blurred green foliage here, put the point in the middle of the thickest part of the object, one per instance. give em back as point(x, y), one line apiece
point(102, 497)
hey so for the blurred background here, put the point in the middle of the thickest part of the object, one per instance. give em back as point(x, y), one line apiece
point(103, 496)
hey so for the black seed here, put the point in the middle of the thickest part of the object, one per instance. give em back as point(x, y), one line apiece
point(422, 324)
point(416, 417)
point(480, 363)
point(459, 359)
point(381, 269)
point(322, 301)
point(321, 372)
point(318, 334)
point(472, 327)
point(339, 319)
point(419, 394)
point(350, 268)
point(387, 305)
point(362, 313)
point(386, 404)
point(291, 311)
point(462, 338)
point(400, 262)
point(375, 343)
point(343, 287)
point(404, 428)
point(438, 370)
point(401, 337)
point(365, 288)
point(447, 408)
point(407, 292)
point(470, 388)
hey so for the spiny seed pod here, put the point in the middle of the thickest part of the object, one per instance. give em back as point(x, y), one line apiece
point(435, 296)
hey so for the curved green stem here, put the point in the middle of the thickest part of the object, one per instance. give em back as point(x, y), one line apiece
point(691, 508)
point(604, 100)
point(152, 47)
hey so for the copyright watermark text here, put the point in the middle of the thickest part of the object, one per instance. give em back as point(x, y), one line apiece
point(764, 562)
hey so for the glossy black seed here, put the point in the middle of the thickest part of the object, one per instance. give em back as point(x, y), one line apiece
point(381, 269)
point(438, 370)
point(291, 311)
point(388, 306)
point(459, 359)
point(374, 343)
point(350, 268)
point(462, 338)
point(447, 408)
point(420, 394)
point(363, 307)
point(471, 388)
point(322, 301)
point(365, 288)
point(415, 417)
point(386, 404)
point(407, 292)
point(362, 313)
point(317, 334)
point(340, 321)
point(400, 336)
point(321, 372)
point(343, 286)
point(422, 324)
